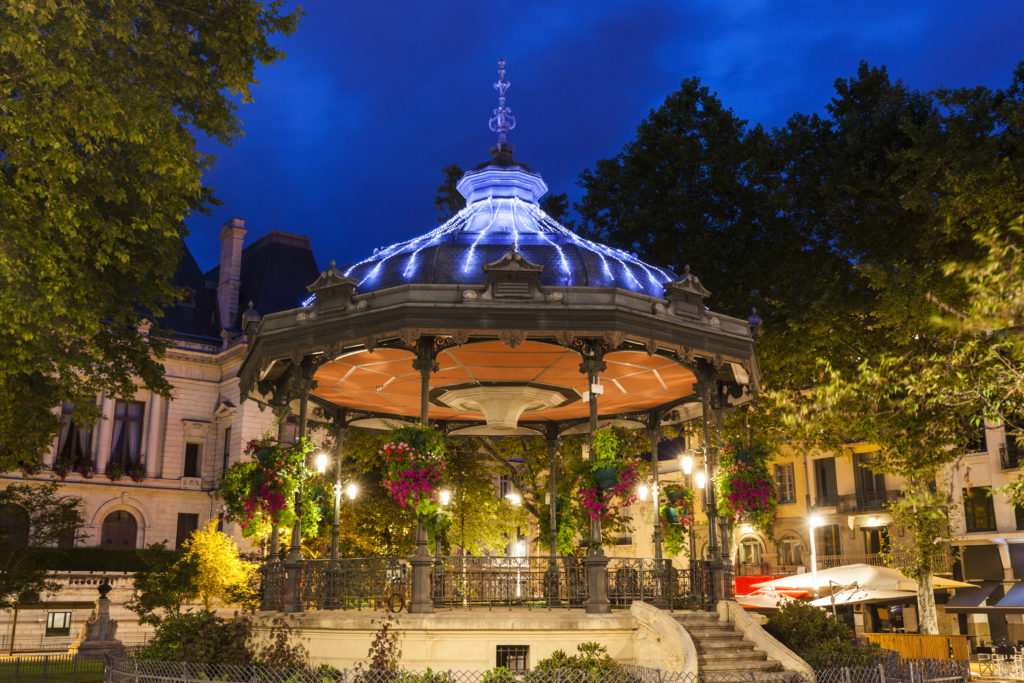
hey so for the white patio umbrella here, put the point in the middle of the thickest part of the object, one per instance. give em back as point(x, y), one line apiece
point(863, 575)
point(763, 600)
point(855, 595)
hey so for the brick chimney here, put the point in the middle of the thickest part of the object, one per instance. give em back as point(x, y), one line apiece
point(232, 235)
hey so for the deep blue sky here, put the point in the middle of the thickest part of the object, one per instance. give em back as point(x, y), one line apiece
point(346, 137)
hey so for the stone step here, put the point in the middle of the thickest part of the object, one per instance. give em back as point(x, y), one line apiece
point(723, 646)
point(719, 655)
point(703, 634)
point(738, 667)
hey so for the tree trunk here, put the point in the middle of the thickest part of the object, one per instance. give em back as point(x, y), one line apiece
point(927, 620)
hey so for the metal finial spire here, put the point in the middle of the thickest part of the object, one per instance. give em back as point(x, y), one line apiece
point(502, 121)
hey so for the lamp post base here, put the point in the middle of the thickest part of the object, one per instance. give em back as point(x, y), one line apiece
point(596, 563)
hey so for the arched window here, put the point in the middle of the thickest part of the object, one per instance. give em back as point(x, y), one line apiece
point(790, 550)
point(13, 524)
point(119, 530)
point(750, 551)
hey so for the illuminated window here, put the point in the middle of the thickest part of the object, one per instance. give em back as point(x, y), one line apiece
point(785, 485)
point(979, 513)
point(127, 439)
point(58, 624)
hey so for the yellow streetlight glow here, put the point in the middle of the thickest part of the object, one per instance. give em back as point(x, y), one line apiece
point(351, 491)
point(687, 464)
point(446, 497)
point(701, 479)
point(642, 491)
point(321, 462)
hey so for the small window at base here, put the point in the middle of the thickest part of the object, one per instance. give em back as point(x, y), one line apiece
point(512, 657)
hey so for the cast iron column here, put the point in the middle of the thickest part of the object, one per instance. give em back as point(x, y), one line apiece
point(551, 576)
point(294, 565)
point(273, 568)
point(660, 565)
point(421, 560)
point(334, 570)
point(596, 561)
point(707, 387)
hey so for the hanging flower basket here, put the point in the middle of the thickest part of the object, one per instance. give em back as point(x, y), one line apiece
point(606, 477)
point(612, 474)
point(673, 493)
point(677, 517)
point(744, 488)
point(260, 493)
point(415, 464)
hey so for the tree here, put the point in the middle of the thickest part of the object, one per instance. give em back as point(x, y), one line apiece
point(692, 189)
point(449, 201)
point(845, 225)
point(209, 569)
point(221, 575)
point(164, 586)
point(374, 525)
point(32, 517)
point(98, 172)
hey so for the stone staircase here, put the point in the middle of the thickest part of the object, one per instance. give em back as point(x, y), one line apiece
point(721, 649)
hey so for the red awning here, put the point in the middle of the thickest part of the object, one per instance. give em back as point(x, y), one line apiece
point(744, 583)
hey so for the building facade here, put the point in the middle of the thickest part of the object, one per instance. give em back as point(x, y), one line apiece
point(147, 473)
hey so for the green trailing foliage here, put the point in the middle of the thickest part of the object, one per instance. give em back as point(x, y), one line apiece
point(99, 169)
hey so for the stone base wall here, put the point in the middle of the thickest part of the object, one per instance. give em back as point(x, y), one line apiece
point(468, 640)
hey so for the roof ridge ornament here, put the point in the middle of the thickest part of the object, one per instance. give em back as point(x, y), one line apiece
point(502, 121)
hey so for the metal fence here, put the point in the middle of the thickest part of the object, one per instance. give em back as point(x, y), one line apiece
point(488, 582)
point(50, 669)
point(891, 668)
point(128, 670)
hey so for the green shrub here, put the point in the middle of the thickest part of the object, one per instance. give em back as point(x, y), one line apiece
point(427, 676)
point(817, 638)
point(97, 559)
point(498, 674)
point(200, 637)
point(590, 657)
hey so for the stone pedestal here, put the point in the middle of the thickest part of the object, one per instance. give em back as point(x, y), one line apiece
point(293, 585)
point(99, 634)
point(596, 563)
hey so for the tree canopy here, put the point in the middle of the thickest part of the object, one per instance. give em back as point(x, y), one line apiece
point(32, 517)
point(854, 233)
point(99, 107)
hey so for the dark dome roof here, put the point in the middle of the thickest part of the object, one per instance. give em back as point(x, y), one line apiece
point(502, 214)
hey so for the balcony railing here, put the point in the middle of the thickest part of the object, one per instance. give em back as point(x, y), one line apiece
point(943, 566)
point(1011, 455)
point(866, 502)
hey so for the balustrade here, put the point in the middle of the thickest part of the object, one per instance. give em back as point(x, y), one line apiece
point(481, 581)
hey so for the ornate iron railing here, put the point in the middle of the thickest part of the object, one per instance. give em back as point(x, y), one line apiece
point(477, 581)
point(273, 586)
point(355, 583)
point(866, 502)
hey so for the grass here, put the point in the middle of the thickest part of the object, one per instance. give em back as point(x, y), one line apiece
point(38, 669)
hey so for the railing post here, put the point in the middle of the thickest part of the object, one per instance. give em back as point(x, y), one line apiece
point(881, 673)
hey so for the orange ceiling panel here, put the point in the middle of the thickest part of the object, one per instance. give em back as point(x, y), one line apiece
point(384, 380)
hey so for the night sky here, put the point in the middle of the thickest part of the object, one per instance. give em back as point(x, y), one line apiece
point(346, 137)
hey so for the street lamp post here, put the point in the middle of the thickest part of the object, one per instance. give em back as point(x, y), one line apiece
point(813, 522)
point(444, 497)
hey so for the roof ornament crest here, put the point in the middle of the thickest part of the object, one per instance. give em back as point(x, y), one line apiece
point(502, 121)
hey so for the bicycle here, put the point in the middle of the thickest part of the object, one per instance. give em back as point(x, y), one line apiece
point(394, 600)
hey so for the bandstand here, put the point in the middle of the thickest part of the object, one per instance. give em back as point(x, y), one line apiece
point(502, 322)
